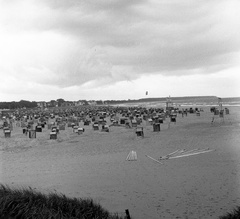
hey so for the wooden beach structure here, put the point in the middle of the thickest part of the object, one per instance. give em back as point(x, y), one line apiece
point(139, 132)
point(32, 133)
point(53, 135)
point(7, 132)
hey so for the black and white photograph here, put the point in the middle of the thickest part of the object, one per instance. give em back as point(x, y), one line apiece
point(120, 109)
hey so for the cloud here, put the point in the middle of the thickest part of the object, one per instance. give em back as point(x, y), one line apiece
point(70, 43)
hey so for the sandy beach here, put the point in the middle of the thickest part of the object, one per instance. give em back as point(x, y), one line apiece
point(93, 164)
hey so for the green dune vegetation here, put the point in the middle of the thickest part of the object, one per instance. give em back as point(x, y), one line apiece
point(28, 203)
point(235, 214)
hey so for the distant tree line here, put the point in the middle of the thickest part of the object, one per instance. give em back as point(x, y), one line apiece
point(133, 101)
point(61, 102)
point(192, 98)
point(18, 105)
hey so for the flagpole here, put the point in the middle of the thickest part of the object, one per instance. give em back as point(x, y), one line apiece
point(220, 103)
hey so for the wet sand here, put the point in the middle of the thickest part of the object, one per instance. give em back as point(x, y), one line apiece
point(94, 165)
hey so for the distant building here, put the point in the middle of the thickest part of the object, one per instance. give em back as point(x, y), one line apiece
point(92, 102)
point(68, 103)
point(42, 104)
point(79, 103)
point(52, 103)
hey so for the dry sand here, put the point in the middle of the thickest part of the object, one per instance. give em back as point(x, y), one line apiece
point(93, 165)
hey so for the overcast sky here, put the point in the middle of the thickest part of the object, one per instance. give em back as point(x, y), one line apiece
point(118, 49)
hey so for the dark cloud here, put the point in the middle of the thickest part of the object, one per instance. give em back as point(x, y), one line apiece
point(121, 40)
